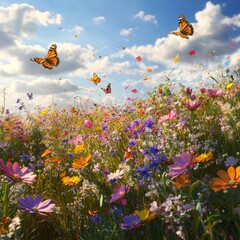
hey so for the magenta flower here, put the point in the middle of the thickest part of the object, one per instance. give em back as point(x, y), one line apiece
point(192, 105)
point(16, 173)
point(87, 124)
point(169, 116)
point(35, 205)
point(182, 164)
point(119, 193)
point(131, 222)
point(215, 93)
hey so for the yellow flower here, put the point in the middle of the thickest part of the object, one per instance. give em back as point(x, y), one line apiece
point(79, 148)
point(70, 180)
point(229, 85)
point(81, 162)
point(145, 215)
point(204, 157)
point(44, 112)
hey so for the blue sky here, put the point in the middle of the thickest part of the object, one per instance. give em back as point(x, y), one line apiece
point(103, 28)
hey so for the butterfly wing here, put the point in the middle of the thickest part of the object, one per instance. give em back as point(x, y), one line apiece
point(52, 55)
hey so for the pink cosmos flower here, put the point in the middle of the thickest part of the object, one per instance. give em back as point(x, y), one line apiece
point(192, 105)
point(182, 164)
point(87, 124)
point(215, 93)
point(119, 193)
point(16, 173)
point(35, 205)
point(169, 116)
point(76, 141)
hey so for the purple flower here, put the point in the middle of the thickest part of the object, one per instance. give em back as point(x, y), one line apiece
point(230, 161)
point(131, 143)
point(215, 93)
point(192, 105)
point(188, 90)
point(182, 164)
point(144, 172)
point(35, 205)
point(24, 157)
point(119, 193)
point(131, 222)
point(149, 123)
point(16, 173)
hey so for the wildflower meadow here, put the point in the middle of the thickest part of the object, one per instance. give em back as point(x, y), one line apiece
point(159, 168)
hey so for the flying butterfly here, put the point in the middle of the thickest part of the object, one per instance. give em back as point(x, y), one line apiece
point(108, 89)
point(95, 79)
point(50, 60)
point(185, 28)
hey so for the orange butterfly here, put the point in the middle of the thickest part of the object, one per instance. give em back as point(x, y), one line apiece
point(51, 58)
point(108, 89)
point(185, 28)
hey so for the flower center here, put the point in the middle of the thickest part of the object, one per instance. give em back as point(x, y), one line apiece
point(231, 182)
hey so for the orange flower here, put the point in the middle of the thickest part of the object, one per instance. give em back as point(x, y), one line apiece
point(204, 157)
point(81, 162)
point(141, 111)
point(128, 152)
point(47, 152)
point(229, 179)
point(182, 181)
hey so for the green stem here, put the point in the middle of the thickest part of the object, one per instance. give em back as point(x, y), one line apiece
point(6, 199)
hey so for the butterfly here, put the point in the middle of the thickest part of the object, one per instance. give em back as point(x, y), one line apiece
point(95, 79)
point(185, 28)
point(108, 89)
point(50, 60)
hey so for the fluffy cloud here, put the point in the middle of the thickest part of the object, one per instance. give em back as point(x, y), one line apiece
point(208, 36)
point(146, 18)
point(126, 32)
point(21, 20)
point(99, 19)
point(43, 86)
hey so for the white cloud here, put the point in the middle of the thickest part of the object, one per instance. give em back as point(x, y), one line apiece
point(126, 32)
point(43, 86)
point(99, 19)
point(207, 36)
point(77, 29)
point(146, 18)
point(21, 20)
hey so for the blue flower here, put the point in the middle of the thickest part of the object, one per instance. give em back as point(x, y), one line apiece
point(24, 157)
point(149, 123)
point(144, 172)
point(131, 143)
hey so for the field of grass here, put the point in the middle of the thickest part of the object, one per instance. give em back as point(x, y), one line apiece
point(162, 168)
